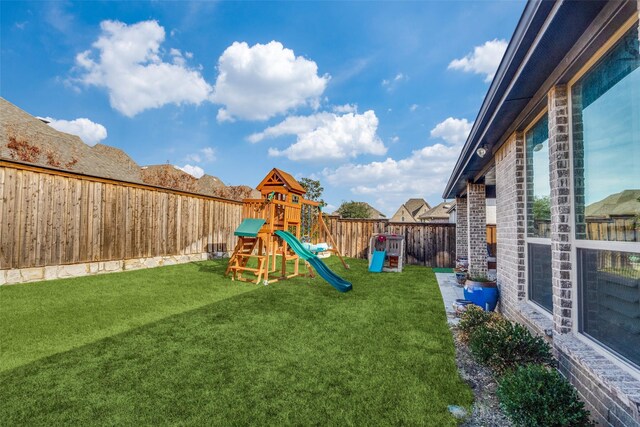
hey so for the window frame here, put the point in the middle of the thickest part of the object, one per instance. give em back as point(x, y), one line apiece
point(529, 239)
point(576, 244)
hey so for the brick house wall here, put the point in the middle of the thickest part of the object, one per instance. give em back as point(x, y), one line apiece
point(609, 386)
point(510, 223)
point(477, 230)
point(461, 227)
point(610, 392)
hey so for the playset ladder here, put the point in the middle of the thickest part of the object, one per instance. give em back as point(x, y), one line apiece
point(241, 254)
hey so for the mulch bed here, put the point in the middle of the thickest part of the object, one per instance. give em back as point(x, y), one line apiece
point(486, 408)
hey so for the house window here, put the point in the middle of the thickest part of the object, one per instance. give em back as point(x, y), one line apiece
point(538, 214)
point(609, 293)
point(539, 275)
point(606, 145)
point(538, 187)
point(605, 120)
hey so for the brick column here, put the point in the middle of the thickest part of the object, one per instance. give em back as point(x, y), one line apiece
point(462, 230)
point(560, 173)
point(510, 223)
point(578, 161)
point(477, 223)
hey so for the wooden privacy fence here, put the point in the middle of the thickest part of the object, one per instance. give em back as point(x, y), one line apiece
point(492, 239)
point(51, 217)
point(432, 245)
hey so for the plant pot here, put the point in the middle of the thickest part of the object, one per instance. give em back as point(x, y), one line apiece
point(461, 277)
point(483, 294)
point(460, 306)
point(462, 263)
point(487, 284)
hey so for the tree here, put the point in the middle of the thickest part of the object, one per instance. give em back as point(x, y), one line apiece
point(354, 209)
point(542, 208)
point(313, 188)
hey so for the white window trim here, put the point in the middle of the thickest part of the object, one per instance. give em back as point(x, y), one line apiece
point(535, 240)
point(539, 240)
point(609, 354)
point(538, 308)
point(610, 245)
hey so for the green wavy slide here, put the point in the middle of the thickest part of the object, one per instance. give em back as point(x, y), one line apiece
point(334, 280)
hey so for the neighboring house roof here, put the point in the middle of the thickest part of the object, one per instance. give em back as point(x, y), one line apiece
point(375, 213)
point(170, 177)
point(208, 184)
point(410, 210)
point(440, 211)
point(236, 192)
point(414, 205)
point(625, 203)
point(452, 207)
point(403, 215)
point(26, 138)
point(547, 47)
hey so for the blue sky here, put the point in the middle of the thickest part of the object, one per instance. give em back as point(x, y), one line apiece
point(374, 99)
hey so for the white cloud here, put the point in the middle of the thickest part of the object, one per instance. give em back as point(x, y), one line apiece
point(391, 182)
point(261, 81)
point(195, 171)
point(346, 108)
point(224, 116)
point(453, 131)
point(329, 208)
point(413, 107)
point(129, 66)
point(484, 59)
point(207, 154)
point(395, 139)
point(326, 136)
point(293, 125)
point(89, 132)
point(391, 84)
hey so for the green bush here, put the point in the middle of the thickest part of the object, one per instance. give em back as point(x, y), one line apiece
point(535, 395)
point(505, 345)
point(472, 319)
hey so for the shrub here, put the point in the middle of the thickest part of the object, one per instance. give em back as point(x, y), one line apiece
point(505, 345)
point(534, 395)
point(472, 319)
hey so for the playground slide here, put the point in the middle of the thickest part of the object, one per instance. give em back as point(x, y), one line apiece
point(334, 280)
point(377, 261)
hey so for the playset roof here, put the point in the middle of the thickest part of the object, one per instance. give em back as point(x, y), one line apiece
point(279, 178)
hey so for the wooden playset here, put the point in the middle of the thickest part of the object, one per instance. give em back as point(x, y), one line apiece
point(271, 228)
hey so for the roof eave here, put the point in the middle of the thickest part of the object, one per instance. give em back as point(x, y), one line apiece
point(533, 13)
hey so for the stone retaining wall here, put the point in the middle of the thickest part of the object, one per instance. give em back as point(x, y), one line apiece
point(36, 274)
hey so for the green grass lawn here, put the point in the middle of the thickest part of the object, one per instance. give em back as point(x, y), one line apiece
point(184, 345)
